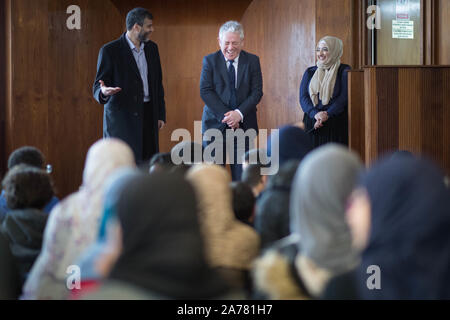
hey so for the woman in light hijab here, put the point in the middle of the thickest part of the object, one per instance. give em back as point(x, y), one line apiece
point(96, 261)
point(74, 223)
point(320, 244)
point(162, 254)
point(404, 230)
point(323, 95)
point(231, 245)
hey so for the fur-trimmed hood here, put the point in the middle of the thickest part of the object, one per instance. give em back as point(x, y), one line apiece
point(280, 279)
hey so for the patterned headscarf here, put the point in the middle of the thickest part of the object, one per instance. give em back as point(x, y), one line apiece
point(73, 223)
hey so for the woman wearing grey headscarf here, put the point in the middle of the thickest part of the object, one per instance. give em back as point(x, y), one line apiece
point(320, 235)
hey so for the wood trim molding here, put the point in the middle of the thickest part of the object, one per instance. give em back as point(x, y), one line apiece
point(431, 21)
point(8, 77)
point(370, 114)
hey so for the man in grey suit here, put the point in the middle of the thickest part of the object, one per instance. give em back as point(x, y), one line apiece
point(231, 87)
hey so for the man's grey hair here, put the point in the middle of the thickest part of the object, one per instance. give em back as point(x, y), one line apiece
point(231, 26)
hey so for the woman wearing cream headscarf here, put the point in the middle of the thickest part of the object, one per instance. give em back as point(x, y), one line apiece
point(73, 224)
point(323, 94)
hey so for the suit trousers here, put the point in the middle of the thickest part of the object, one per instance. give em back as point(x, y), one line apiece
point(148, 133)
point(237, 150)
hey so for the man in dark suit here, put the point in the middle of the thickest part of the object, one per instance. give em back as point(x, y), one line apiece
point(231, 87)
point(129, 84)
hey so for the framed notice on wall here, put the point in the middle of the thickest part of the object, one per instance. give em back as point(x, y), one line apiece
point(402, 29)
point(402, 26)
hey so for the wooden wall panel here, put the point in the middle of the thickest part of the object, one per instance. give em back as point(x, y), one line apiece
point(442, 36)
point(445, 117)
point(75, 119)
point(407, 108)
point(387, 109)
point(3, 24)
point(356, 115)
point(53, 69)
point(28, 111)
point(433, 107)
point(282, 34)
point(336, 18)
point(370, 115)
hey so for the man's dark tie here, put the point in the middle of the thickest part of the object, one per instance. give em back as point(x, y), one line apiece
point(232, 76)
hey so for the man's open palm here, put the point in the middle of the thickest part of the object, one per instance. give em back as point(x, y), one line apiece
point(108, 91)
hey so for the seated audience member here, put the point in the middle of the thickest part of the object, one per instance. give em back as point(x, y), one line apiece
point(243, 202)
point(9, 276)
point(162, 252)
point(160, 162)
point(256, 156)
point(185, 154)
point(252, 170)
point(402, 153)
point(188, 152)
point(231, 246)
point(291, 142)
point(252, 176)
point(95, 262)
point(323, 239)
point(272, 208)
point(30, 156)
point(74, 223)
point(403, 232)
point(27, 190)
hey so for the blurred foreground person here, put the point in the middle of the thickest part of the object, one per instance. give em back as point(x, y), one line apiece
point(74, 223)
point(403, 225)
point(320, 245)
point(162, 252)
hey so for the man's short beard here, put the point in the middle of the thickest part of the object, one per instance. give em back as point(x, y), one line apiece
point(143, 37)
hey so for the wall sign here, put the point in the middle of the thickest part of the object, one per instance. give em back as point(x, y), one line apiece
point(402, 29)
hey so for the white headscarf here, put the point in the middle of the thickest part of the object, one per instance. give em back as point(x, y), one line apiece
point(324, 78)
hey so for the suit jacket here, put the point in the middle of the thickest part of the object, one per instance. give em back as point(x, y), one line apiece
point(123, 115)
point(215, 90)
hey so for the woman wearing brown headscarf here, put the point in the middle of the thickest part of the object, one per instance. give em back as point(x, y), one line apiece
point(231, 246)
point(323, 94)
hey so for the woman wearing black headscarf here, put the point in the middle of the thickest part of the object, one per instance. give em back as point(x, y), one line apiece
point(162, 251)
point(409, 238)
point(289, 143)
